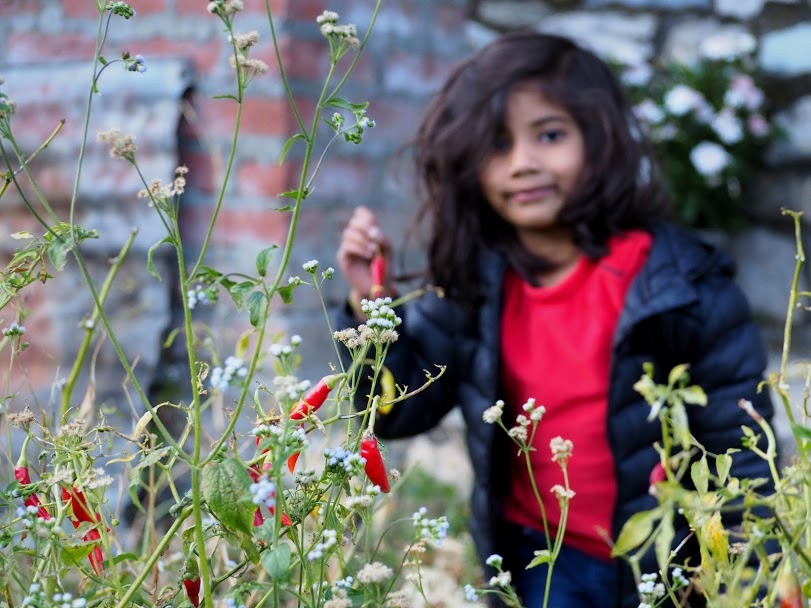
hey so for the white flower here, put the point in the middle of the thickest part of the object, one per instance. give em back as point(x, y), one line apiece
point(494, 560)
point(726, 46)
point(493, 413)
point(681, 99)
point(709, 158)
point(649, 112)
point(743, 93)
point(561, 449)
point(502, 579)
point(637, 75)
point(374, 573)
point(728, 126)
point(471, 595)
point(758, 125)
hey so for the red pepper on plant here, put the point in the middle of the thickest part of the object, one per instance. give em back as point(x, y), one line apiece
point(81, 514)
point(191, 581)
point(22, 475)
point(315, 397)
point(374, 467)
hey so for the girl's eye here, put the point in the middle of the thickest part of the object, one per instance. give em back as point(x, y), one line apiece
point(551, 135)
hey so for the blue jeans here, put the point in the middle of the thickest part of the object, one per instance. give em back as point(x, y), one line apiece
point(578, 579)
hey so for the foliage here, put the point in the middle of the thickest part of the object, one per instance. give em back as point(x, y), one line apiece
point(766, 561)
point(708, 122)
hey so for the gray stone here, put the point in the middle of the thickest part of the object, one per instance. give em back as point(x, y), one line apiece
point(740, 9)
point(651, 4)
point(766, 261)
point(796, 121)
point(513, 14)
point(616, 35)
point(787, 52)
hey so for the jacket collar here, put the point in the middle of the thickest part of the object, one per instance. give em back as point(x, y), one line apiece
point(676, 260)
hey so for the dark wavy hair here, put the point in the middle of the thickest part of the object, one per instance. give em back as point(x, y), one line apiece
point(620, 188)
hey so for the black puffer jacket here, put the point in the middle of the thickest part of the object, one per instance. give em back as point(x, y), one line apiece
point(683, 307)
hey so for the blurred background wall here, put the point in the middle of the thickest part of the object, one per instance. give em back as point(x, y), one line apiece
point(45, 52)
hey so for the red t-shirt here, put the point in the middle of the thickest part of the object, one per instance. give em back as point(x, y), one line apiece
point(556, 347)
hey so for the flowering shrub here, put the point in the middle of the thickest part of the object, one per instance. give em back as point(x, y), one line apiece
point(708, 123)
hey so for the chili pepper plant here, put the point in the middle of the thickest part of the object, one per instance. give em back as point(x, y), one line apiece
point(282, 515)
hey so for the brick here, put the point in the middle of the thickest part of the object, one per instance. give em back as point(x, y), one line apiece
point(395, 119)
point(204, 56)
point(29, 48)
point(201, 167)
point(260, 116)
point(343, 177)
point(235, 225)
point(279, 8)
point(15, 8)
point(264, 179)
point(80, 9)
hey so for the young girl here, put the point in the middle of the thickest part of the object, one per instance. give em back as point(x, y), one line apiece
point(560, 280)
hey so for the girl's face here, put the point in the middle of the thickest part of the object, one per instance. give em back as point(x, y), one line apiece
point(534, 166)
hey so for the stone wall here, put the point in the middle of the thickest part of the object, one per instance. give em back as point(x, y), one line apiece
point(45, 47)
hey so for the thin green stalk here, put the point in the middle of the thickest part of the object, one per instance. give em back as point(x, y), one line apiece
point(8, 178)
point(90, 325)
point(221, 197)
point(37, 191)
point(165, 434)
point(100, 37)
point(135, 587)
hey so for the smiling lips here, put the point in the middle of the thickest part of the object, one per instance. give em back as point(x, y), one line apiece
point(530, 195)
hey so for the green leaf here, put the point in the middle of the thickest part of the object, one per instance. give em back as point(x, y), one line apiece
point(681, 426)
point(635, 531)
point(543, 556)
point(694, 395)
point(238, 291)
point(338, 102)
point(288, 144)
point(277, 563)
point(664, 540)
point(723, 463)
point(226, 489)
point(295, 194)
point(150, 263)
point(102, 60)
point(678, 374)
point(284, 209)
point(263, 259)
point(700, 473)
point(58, 252)
point(171, 337)
point(224, 97)
point(286, 292)
point(256, 307)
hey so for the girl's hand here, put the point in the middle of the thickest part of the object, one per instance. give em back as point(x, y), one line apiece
point(361, 241)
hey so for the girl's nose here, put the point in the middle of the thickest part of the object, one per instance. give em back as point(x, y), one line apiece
point(523, 158)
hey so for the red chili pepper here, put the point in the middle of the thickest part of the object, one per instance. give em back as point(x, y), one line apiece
point(789, 591)
point(377, 271)
point(96, 556)
point(375, 469)
point(77, 501)
point(315, 397)
point(286, 521)
point(291, 461)
point(657, 475)
point(22, 475)
point(192, 586)
point(81, 513)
